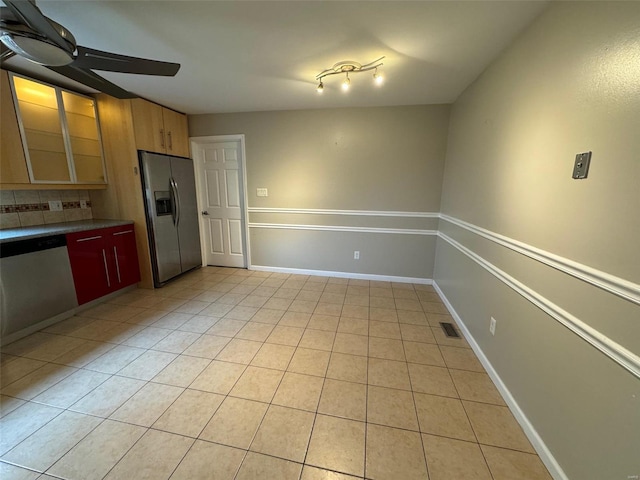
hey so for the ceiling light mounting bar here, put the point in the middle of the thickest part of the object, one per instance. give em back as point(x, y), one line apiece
point(349, 67)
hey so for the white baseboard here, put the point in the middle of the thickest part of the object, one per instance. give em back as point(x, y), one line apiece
point(536, 441)
point(356, 276)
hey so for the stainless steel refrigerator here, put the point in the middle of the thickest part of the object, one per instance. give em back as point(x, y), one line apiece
point(172, 215)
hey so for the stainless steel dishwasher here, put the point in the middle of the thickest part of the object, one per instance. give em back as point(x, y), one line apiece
point(35, 283)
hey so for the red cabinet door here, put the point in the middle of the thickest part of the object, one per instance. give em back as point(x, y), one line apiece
point(122, 248)
point(89, 264)
point(103, 261)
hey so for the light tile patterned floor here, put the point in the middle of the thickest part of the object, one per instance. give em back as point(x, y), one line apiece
point(232, 374)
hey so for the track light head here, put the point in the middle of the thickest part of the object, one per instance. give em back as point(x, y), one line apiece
point(378, 79)
point(346, 83)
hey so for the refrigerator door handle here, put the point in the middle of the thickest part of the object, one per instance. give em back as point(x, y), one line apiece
point(176, 201)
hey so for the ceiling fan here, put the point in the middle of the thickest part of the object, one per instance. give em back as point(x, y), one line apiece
point(25, 31)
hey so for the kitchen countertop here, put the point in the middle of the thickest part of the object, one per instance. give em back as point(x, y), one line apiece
point(35, 231)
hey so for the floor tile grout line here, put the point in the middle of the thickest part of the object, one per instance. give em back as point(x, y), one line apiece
point(63, 410)
point(76, 444)
point(127, 452)
point(265, 412)
point(210, 360)
point(77, 400)
point(415, 411)
point(7, 462)
point(254, 434)
point(366, 400)
point(183, 456)
point(467, 417)
point(315, 417)
point(284, 406)
point(336, 416)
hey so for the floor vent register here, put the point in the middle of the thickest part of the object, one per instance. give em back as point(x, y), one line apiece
point(449, 330)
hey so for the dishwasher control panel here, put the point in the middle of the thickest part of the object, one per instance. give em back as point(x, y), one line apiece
point(31, 245)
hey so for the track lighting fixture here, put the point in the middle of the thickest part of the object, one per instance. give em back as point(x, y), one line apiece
point(350, 67)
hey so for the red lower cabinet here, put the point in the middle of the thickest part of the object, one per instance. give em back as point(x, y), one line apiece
point(125, 254)
point(103, 261)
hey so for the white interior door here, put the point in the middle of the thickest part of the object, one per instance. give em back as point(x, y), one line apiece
point(219, 164)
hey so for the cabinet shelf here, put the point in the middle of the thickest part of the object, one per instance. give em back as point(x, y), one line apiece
point(39, 105)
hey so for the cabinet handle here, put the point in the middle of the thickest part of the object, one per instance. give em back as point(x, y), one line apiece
point(88, 238)
point(162, 137)
point(122, 233)
point(170, 142)
point(115, 254)
point(106, 268)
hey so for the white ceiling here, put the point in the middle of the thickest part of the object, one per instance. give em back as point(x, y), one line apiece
point(249, 56)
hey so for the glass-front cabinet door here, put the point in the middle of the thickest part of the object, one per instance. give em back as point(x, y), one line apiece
point(42, 136)
point(84, 138)
point(60, 134)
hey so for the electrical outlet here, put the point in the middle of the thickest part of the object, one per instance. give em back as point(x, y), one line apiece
point(55, 205)
point(356, 255)
point(492, 326)
point(83, 204)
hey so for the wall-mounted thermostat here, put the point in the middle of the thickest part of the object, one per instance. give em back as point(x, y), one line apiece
point(581, 166)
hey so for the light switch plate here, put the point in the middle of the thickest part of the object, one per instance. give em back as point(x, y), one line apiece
point(581, 165)
point(262, 192)
point(55, 205)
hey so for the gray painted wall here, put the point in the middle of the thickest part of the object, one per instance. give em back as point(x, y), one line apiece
point(381, 159)
point(569, 84)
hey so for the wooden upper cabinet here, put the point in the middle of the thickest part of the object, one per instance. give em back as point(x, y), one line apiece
point(148, 125)
point(13, 164)
point(176, 128)
point(158, 129)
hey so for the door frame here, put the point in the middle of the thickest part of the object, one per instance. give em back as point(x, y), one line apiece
point(196, 143)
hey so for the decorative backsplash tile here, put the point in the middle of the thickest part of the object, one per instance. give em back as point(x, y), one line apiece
point(37, 207)
point(23, 208)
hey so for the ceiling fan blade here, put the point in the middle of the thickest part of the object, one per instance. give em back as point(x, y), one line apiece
point(27, 12)
point(93, 80)
point(113, 62)
point(5, 53)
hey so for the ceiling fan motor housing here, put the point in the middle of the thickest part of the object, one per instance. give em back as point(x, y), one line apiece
point(27, 32)
point(26, 42)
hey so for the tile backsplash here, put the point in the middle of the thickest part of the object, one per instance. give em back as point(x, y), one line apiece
point(23, 208)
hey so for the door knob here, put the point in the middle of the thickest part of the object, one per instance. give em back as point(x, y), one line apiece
point(204, 212)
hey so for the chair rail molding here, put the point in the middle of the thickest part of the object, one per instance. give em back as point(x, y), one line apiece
point(619, 354)
point(341, 228)
point(362, 213)
point(617, 286)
